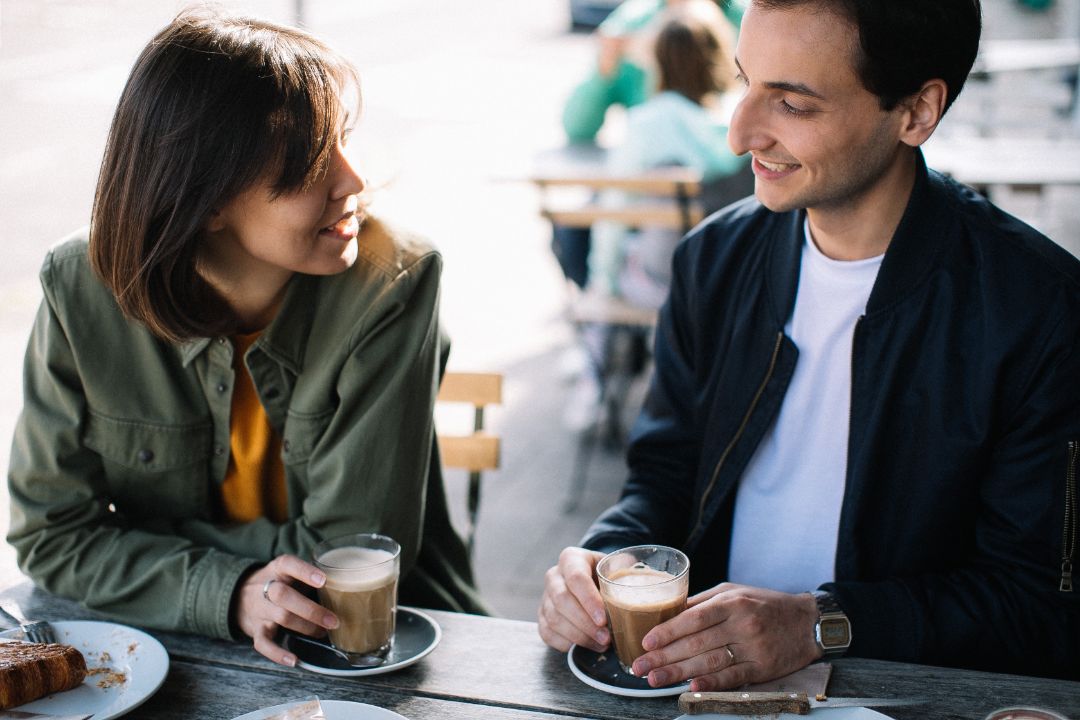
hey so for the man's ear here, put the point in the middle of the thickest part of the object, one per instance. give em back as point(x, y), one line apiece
point(923, 112)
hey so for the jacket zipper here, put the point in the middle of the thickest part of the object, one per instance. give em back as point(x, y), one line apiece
point(1068, 538)
point(738, 434)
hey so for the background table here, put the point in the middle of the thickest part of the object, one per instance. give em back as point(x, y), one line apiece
point(492, 668)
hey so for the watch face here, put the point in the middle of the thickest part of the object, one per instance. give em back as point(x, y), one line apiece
point(835, 632)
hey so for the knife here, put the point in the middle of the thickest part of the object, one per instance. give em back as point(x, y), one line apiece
point(759, 703)
point(21, 715)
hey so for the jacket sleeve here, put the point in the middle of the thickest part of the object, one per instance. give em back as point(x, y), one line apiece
point(664, 442)
point(1009, 608)
point(67, 537)
point(370, 468)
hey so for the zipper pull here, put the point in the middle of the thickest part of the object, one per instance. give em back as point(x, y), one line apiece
point(1066, 576)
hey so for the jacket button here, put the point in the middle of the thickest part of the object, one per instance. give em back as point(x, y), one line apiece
point(219, 450)
point(285, 446)
point(146, 455)
point(222, 387)
point(221, 341)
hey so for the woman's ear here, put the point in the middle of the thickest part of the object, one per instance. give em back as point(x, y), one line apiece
point(924, 110)
point(216, 222)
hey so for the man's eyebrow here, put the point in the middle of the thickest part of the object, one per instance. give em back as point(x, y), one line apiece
point(792, 87)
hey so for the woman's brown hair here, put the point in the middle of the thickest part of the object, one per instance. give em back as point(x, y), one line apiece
point(214, 104)
point(695, 51)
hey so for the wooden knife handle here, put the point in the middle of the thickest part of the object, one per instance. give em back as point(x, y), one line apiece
point(744, 703)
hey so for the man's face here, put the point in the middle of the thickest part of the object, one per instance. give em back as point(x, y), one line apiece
point(818, 138)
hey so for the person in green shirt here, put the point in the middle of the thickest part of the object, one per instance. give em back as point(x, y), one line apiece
point(227, 206)
point(624, 73)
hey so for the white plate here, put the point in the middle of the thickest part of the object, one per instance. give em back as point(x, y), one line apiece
point(602, 671)
point(848, 713)
point(335, 710)
point(415, 635)
point(141, 660)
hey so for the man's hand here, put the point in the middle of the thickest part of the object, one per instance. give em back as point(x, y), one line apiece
point(283, 606)
point(572, 611)
point(731, 635)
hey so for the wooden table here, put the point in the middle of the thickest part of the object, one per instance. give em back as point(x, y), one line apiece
point(491, 668)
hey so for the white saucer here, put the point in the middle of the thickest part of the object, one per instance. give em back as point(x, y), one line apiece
point(602, 671)
point(415, 636)
point(335, 710)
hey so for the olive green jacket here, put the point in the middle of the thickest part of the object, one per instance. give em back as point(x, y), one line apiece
point(124, 439)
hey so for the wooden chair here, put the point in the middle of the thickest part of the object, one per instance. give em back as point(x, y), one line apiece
point(479, 450)
point(664, 197)
point(573, 196)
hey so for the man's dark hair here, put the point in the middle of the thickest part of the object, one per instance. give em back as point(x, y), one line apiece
point(904, 43)
point(214, 104)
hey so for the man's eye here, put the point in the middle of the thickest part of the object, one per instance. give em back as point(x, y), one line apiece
point(739, 77)
point(792, 110)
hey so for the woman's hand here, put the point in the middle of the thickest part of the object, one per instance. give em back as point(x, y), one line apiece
point(266, 600)
point(572, 611)
point(731, 635)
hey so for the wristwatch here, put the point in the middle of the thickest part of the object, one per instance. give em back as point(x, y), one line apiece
point(832, 631)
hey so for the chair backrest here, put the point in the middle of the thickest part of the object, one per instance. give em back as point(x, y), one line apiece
point(667, 197)
point(479, 450)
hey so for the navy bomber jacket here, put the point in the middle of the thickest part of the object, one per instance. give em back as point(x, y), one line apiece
point(959, 521)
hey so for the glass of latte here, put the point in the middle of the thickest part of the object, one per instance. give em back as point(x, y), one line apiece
point(642, 586)
point(361, 589)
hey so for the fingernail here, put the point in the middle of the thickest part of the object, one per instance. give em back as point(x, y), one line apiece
point(649, 643)
point(289, 660)
point(641, 667)
point(602, 636)
point(330, 621)
point(317, 579)
point(599, 618)
point(658, 678)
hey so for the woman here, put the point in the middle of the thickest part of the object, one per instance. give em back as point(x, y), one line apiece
point(239, 363)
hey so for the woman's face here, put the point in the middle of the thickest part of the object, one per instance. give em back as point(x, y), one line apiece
point(312, 231)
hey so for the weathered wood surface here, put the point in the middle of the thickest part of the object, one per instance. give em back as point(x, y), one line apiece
point(503, 665)
point(212, 692)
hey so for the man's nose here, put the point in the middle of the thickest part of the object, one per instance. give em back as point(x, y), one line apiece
point(747, 130)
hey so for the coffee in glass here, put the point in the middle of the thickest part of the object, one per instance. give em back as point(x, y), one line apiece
point(361, 589)
point(642, 586)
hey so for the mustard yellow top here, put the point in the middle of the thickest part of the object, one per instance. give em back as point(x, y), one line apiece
point(254, 484)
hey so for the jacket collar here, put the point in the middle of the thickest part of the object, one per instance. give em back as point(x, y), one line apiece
point(286, 338)
point(911, 255)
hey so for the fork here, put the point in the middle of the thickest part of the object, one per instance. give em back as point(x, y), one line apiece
point(35, 631)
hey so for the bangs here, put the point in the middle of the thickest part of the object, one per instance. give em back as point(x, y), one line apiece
point(317, 101)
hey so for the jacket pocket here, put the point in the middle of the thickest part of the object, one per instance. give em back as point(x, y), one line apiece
point(152, 470)
point(301, 434)
point(1068, 537)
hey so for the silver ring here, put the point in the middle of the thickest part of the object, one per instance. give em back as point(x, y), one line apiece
point(271, 581)
point(731, 655)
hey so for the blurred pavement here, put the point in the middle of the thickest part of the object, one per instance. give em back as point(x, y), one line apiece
point(458, 97)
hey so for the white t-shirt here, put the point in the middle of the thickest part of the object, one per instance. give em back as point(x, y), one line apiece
point(787, 507)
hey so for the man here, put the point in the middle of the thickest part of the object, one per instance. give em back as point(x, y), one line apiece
point(877, 398)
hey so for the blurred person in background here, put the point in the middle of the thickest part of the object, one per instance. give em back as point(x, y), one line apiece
point(684, 124)
point(625, 75)
point(863, 425)
point(625, 67)
point(237, 363)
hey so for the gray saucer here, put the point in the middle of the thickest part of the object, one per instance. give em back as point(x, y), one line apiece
point(415, 635)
